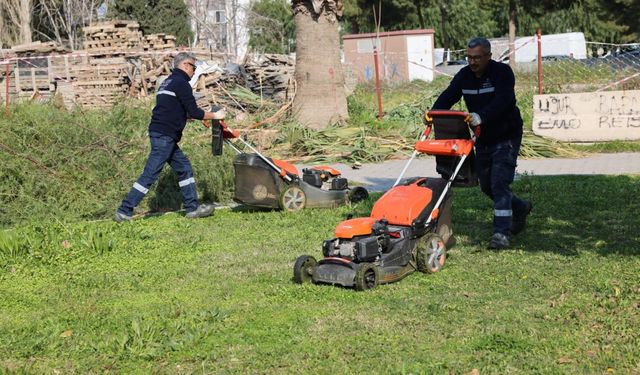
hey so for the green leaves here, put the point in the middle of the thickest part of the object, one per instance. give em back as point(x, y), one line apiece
point(155, 16)
point(600, 20)
point(271, 27)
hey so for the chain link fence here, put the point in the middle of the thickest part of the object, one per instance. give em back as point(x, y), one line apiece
point(606, 67)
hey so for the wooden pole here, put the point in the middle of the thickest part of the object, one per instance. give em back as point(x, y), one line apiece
point(539, 37)
point(6, 90)
point(50, 74)
point(33, 80)
point(143, 78)
point(16, 77)
point(66, 68)
point(378, 90)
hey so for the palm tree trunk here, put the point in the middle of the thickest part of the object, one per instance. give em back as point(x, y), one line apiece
point(320, 97)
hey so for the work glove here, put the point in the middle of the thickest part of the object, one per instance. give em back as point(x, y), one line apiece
point(424, 119)
point(219, 113)
point(475, 119)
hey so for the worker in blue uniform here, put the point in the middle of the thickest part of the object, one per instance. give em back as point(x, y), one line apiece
point(175, 103)
point(488, 89)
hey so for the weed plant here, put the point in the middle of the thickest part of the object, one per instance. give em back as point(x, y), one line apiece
point(367, 138)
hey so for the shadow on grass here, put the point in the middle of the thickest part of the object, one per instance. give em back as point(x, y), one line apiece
point(168, 197)
point(166, 193)
point(570, 214)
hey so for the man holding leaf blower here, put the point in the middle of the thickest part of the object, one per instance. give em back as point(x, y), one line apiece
point(175, 103)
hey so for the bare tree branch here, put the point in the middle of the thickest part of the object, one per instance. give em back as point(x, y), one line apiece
point(16, 15)
point(64, 18)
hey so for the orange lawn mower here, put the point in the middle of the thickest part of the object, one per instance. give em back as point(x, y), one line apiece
point(264, 182)
point(410, 225)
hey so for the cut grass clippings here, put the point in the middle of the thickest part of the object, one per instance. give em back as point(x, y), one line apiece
point(168, 295)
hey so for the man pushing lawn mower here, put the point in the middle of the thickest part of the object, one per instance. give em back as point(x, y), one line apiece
point(487, 87)
point(174, 102)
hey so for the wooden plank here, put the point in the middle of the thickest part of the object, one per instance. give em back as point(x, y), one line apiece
point(99, 83)
point(16, 75)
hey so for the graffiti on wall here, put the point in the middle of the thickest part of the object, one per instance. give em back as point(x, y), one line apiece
point(588, 117)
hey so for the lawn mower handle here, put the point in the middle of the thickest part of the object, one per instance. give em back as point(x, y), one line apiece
point(428, 122)
point(228, 133)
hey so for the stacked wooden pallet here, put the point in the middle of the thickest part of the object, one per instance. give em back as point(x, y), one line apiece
point(159, 42)
point(99, 85)
point(103, 80)
point(120, 62)
point(31, 69)
point(271, 76)
point(112, 37)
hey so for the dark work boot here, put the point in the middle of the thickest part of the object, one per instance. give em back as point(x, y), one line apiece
point(203, 210)
point(498, 241)
point(120, 217)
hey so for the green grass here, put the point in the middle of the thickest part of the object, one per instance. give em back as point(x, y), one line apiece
point(78, 165)
point(167, 295)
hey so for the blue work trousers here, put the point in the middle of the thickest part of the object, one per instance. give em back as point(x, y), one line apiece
point(496, 167)
point(164, 149)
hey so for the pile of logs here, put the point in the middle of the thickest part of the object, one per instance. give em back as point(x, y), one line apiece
point(271, 75)
point(143, 73)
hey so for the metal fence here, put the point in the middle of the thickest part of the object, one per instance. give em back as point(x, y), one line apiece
point(606, 67)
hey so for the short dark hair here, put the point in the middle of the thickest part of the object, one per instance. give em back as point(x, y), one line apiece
point(482, 42)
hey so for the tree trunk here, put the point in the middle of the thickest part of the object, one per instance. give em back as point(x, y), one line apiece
point(418, 6)
point(25, 26)
point(512, 34)
point(16, 22)
point(320, 97)
point(445, 34)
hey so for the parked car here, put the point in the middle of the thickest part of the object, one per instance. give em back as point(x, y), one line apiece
point(619, 60)
point(555, 58)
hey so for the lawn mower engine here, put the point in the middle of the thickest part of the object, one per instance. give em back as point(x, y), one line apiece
point(358, 249)
point(327, 178)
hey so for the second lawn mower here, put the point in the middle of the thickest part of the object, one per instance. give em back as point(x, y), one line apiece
point(410, 225)
point(261, 181)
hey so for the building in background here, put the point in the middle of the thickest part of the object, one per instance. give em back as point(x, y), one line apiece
point(220, 25)
point(402, 55)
